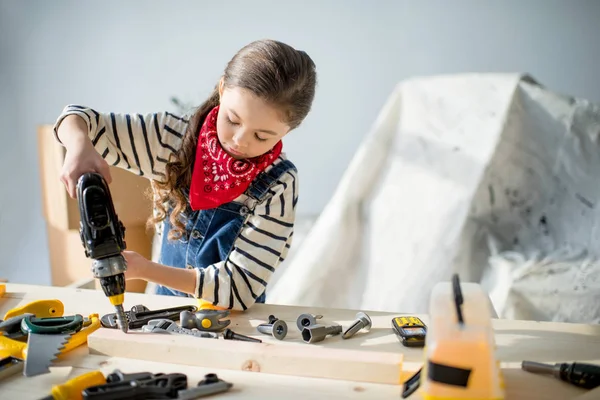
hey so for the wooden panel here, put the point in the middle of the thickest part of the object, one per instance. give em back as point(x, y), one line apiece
point(300, 360)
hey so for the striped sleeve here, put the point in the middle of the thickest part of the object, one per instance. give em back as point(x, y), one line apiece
point(136, 142)
point(260, 248)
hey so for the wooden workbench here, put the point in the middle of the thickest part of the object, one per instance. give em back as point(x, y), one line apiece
point(516, 341)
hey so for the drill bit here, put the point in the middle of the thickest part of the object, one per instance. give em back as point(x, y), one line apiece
point(532, 366)
point(121, 318)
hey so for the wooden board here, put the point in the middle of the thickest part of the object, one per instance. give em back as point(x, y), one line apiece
point(377, 354)
point(272, 358)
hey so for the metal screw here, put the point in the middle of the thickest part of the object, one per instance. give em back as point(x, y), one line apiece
point(362, 321)
point(275, 327)
point(305, 320)
point(317, 333)
point(231, 335)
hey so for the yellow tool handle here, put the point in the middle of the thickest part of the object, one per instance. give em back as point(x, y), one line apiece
point(80, 337)
point(71, 390)
point(39, 308)
point(12, 348)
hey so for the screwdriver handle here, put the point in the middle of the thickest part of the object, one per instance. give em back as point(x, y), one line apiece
point(586, 376)
point(72, 390)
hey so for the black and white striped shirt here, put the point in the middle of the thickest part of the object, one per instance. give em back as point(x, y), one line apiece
point(143, 144)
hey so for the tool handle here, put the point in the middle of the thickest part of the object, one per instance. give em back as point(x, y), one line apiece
point(40, 308)
point(72, 389)
point(586, 376)
point(160, 386)
point(56, 325)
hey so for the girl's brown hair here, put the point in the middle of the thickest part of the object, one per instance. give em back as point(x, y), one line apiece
point(277, 73)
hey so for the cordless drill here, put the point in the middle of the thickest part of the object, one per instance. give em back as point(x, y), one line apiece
point(103, 238)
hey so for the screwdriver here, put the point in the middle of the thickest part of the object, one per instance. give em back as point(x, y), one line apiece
point(586, 376)
point(72, 389)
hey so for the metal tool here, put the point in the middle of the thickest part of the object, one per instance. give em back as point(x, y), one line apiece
point(231, 335)
point(47, 337)
point(362, 322)
point(154, 386)
point(275, 327)
point(71, 390)
point(205, 320)
point(166, 326)
point(103, 238)
point(586, 376)
point(11, 327)
point(140, 315)
point(411, 331)
point(317, 333)
point(211, 384)
point(305, 320)
point(39, 308)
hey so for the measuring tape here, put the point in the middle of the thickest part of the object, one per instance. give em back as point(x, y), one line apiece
point(411, 331)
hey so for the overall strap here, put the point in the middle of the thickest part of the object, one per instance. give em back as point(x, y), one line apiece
point(259, 189)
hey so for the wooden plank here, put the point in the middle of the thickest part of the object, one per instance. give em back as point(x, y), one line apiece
point(299, 360)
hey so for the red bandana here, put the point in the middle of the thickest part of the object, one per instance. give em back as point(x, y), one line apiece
point(219, 178)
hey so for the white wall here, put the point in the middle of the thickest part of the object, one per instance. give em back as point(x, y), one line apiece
point(132, 56)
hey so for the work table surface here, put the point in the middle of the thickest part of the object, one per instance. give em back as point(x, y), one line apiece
point(516, 341)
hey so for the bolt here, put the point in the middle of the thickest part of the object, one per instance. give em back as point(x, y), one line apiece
point(231, 335)
point(208, 379)
point(305, 320)
point(316, 333)
point(362, 321)
point(275, 327)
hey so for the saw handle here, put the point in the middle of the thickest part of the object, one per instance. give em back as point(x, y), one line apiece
point(53, 325)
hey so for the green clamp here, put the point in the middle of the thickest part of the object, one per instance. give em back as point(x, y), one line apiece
point(52, 325)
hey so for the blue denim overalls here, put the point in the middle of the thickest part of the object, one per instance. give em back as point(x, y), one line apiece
point(211, 234)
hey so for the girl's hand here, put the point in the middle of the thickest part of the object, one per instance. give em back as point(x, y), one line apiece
point(136, 265)
point(81, 155)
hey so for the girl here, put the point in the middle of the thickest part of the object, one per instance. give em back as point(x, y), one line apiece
point(223, 190)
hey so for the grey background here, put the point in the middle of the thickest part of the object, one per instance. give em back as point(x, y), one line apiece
point(132, 56)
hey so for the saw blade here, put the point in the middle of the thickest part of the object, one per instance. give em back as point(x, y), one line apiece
point(42, 350)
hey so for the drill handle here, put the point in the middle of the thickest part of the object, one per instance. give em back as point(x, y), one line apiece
point(586, 376)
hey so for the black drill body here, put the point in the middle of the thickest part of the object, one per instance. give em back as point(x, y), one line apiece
point(103, 238)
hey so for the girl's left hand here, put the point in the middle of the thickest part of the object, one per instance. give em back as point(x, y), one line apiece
point(136, 264)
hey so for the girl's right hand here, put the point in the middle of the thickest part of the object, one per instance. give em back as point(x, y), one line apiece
point(82, 158)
